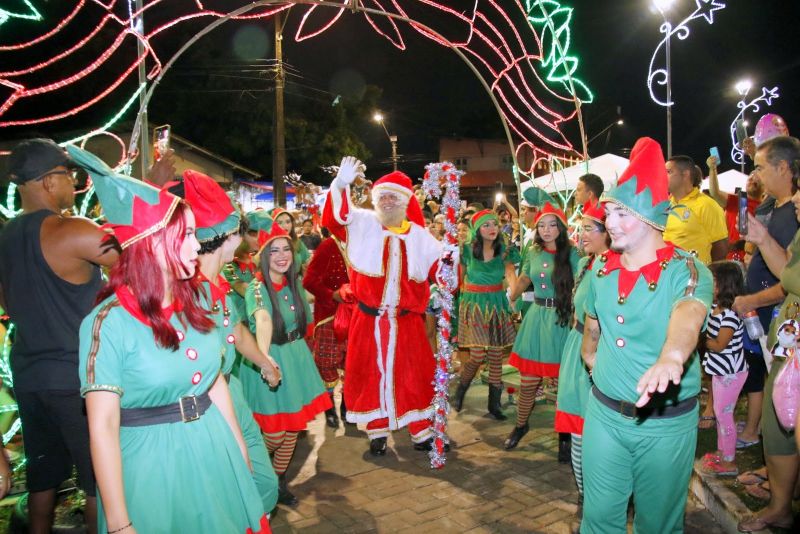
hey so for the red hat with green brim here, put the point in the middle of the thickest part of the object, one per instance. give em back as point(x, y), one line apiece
point(214, 213)
point(265, 237)
point(594, 211)
point(133, 208)
point(642, 188)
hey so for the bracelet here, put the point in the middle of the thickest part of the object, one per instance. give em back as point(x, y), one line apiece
point(120, 529)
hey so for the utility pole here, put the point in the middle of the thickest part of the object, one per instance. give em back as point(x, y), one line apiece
point(144, 137)
point(278, 134)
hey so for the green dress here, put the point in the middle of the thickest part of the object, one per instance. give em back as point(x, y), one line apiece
point(573, 377)
point(235, 272)
point(540, 340)
point(226, 318)
point(177, 477)
point(301, 254)
point(301, 394)
point(778, 441)
point(485, 316)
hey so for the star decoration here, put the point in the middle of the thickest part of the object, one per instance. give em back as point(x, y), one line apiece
point(706, 8)
point(768, 94)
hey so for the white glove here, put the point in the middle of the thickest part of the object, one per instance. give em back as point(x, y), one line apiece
point(349, 169)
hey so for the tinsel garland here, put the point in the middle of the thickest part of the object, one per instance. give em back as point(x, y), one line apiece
point(442, 181)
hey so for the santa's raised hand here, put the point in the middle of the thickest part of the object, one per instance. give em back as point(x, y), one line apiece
point(349, 169)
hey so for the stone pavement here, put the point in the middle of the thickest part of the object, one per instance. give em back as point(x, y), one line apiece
point(483, 488)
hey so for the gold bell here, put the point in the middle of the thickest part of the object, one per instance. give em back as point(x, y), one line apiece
point(664, 265)
point(603, 257)
point(652, 286)
point(215, 308)
point(621, 299)
point(601, 273)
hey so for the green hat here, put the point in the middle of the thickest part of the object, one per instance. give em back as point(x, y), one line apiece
point(479, 219)
point(642, 188)
point(214, 213)
point(134, 209)
point(535, 197)
point(259, 220)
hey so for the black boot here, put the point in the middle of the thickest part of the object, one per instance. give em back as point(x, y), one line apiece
point(495, 393)
point(284, 495)
point(427, 445)
point(377, 447)
point(343, 410)
point(331, 419)
point(457, 401)
point(513, 439)
point(564, 448)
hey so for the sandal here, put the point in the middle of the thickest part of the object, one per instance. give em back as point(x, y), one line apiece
point(755, 524)
point(743, 444)
point(758, 491)
point(715, 468)
point(706, 422)
point(748, 478)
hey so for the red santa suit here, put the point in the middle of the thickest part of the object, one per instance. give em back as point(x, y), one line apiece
point(390, 365)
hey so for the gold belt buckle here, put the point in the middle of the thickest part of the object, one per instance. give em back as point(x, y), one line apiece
point(188, 406)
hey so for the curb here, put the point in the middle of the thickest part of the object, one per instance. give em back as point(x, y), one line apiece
point(726, 507)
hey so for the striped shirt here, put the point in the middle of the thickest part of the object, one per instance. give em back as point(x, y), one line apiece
point(731, 359)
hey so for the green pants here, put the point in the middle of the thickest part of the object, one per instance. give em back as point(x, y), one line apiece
point(620, 460)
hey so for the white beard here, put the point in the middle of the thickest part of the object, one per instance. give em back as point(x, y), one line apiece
point(395, 218)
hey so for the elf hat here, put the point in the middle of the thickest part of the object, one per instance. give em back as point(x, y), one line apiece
point(550, 209)
point(399, 184)
point(594, 211)
point(534, 197)
point(642, 188)
point(481, 218)
point(213, 210)
point(265, 237)
point(259, 220)
point(133, 208)
point(277, 210)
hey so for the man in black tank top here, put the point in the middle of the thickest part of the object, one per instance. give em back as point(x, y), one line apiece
point(49, 277)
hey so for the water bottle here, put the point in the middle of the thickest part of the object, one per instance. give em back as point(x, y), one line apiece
point(753, 325)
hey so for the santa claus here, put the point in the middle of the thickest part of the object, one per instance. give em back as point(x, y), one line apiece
point(389, 365)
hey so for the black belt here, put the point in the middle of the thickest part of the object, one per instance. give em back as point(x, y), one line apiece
point(187, 409)
point(578, 327)
point(375, 312)
point(549, 302)
point(630, 411)
point(288, 337)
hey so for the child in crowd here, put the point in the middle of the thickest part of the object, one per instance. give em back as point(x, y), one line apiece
point(724, 361)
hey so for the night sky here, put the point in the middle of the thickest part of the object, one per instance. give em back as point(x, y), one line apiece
point(428, 93)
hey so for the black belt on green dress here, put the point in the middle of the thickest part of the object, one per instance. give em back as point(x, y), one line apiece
point(189, 408)
point(549, 302)
point(629, 410)
point(578, 327)
point(376, 312)
point(287, 337)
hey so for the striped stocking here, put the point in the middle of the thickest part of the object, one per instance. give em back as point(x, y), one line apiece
point(527, 397)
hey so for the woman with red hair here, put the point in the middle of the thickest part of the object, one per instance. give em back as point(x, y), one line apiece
point(166, 447)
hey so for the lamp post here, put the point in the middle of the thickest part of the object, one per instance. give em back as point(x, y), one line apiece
point(378, 117)
point(618, 122)
point(663, 6)
point(743, 87)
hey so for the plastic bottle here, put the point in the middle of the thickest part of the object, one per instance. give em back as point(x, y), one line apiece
point(753, 325)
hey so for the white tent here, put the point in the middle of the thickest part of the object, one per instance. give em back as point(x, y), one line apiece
point(728, 181)
point(608, 167)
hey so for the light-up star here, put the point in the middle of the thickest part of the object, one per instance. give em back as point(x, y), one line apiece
point(768, 94)
point(706, 8)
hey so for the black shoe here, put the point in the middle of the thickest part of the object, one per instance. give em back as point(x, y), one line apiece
point(343, 410)
point(564, 448)
point(377, 447)
point(427, 445)
point(517, 434)
point(495, 393)
point(457, 401)
point(331, 419)
point(284, 495)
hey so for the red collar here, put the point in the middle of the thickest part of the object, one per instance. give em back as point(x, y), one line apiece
point(218, 290)
point(277, 287)
point(245, 266)
point(128, 301)
point(627, 279)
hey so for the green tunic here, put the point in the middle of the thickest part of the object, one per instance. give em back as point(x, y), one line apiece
point(301, 394)
point(301, 254)
point(573, 378)
point(485, 316)
point(540, 340)
point(233, 274)
point(178, 477)
point(226, 318)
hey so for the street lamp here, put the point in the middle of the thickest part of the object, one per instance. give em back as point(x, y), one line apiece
point(743, 87)
point(378, 117)
point(618, 122)
point(663, 6)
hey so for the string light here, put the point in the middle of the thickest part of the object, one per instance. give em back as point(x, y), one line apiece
point(704, 9)
point(32, 14)
point(766, 97)
point(510, 44)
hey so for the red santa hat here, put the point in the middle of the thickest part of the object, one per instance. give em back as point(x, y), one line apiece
point(398, 183)
point(549, 209)
point(594, 211)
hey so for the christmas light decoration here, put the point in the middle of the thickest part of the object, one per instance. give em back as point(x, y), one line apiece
point(509, 45)
point(442, 181)
point(30, 14)
point(766, 97)
point(704, 9)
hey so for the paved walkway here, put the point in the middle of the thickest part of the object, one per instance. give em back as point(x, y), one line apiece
point(483, 488)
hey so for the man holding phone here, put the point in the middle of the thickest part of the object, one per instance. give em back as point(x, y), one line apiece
point(729, 202)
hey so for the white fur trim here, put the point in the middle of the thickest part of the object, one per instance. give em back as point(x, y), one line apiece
point(336, 198)
point(393, 188)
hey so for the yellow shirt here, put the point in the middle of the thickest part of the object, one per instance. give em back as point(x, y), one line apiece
point(695, 223)
point(402, 229)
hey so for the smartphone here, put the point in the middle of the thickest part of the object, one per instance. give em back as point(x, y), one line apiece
point(714, 152)
point(161, 141)
point(741, 131)
point(742, 227)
